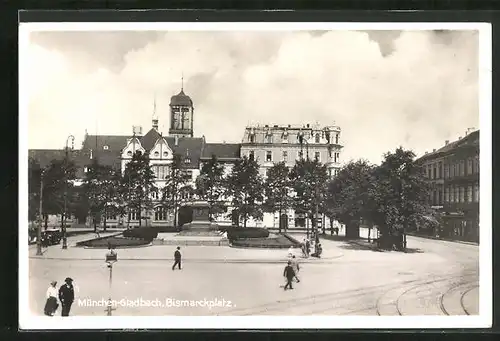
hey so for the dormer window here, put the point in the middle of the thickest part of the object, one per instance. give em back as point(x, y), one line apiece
point(105, 147)
point(269, 137)
point(284, 138)
point(165, 153)
point(129, 153)
point(317, 138)
point(251, 136)
point(157, 154)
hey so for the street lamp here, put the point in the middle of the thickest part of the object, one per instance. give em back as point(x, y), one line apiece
point(40, 220)
point(111, 258)
point(64, 238)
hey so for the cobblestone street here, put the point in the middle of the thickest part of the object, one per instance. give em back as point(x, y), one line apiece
point(436, 278)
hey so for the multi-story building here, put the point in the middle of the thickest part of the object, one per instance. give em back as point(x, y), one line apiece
point(268, 144)
point(453, 171)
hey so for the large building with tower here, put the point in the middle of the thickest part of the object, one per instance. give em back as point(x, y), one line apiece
point(268, 144)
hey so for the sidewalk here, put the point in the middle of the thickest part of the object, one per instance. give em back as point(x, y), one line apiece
point(190, 253)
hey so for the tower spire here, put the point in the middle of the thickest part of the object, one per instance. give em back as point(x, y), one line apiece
point(182, 81)
point(155, 118)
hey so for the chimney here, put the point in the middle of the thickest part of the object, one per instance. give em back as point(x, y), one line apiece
point(433, 150)
point(426, 153)
point(446, 142)
point(176, 140)
point(460, 137)
point(308, 125)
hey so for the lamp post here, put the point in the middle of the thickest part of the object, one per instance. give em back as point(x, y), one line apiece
point(111, 258)
point(64, 238)
point(40, 219)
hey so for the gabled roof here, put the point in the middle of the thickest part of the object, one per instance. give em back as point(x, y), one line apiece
point(223, 151)
point(148, 141)
point(45, 156)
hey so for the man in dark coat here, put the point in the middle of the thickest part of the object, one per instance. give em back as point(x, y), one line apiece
point(66, 296)
point(289, 274)
point(177, 258)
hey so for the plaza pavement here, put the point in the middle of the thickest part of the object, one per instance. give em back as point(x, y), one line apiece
point(435, 278)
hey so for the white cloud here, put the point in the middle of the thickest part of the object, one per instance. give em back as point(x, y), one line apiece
point(422, 93)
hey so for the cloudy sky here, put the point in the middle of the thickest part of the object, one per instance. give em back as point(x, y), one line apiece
point(383, 88)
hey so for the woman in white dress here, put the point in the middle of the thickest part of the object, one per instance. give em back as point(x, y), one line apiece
point(51, 304)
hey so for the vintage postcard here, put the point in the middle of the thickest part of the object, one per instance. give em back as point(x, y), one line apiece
point(255, 175)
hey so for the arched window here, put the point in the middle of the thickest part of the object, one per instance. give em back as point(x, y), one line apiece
point(316, 138)
point(161, 213)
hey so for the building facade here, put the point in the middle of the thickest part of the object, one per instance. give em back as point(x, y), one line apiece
point(453, 171)
point(267, 144)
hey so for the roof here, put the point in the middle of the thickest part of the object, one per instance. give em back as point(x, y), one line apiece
point(469, 138)
point(181, 99)
point(45, 156)
point(148, 141)
point(223, 151)
point(185, 146)
point(114, 142)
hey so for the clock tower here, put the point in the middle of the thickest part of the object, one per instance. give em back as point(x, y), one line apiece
point(181, 115)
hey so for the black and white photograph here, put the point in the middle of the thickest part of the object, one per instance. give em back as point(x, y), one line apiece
point(255, 175)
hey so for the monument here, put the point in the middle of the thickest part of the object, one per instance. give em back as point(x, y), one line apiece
point(201, 224)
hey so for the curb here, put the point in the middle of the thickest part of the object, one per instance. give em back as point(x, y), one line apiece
point(205, 260)
point(444, 240)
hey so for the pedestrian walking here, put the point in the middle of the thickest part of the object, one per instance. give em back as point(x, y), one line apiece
point(177, 258)
point(296, 267)
point(66, 296)
point(289, 274)
point(51, 304)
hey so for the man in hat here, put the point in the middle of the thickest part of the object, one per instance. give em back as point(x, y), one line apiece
point(177, 258)
point(66, 296)
point(289, 275)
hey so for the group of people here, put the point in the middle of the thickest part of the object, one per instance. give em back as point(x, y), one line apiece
point(306, 247)
point(65, 295)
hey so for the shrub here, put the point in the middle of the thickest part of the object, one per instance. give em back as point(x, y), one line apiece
point(115, 242)
point(279, 242)
point(234, 233)
point(147, 233)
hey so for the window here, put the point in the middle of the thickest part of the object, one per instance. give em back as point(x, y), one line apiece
point(317, 156)
point(129, 153)
point(337, 139)
point(469, 193)
point(316, 138)
point(269, 156)
point(476, 193)
point(462, 194)
point(165, 154)
point(446, 171)
point(85, 169)
point(284, 138)
point(469, 166)
point(157, 154)
point(133, 215)
point(447, 194)
point(476, 161)
point(457, 194)
point(285, 156)
point(251, 155)
point(433, 172)
point(452, 171)
point(462, 168)
point(251, 138)
point(336, 172)
point(110, 215)
point(269, 138)
point(105, 147)
point(161, 214)
point(336, 157)
point(330, 173)
point(440, 170)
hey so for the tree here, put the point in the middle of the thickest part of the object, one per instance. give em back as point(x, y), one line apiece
point(176, 184)
point(101, 189)
point(210, 185)
point(245, 187)
point(348, 196)
point(277, 189)
point(400, 192)
point(138, 183)
point(309, 178)
point(58, 188)
point(34, 175)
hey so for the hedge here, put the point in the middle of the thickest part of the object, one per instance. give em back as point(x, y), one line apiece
point(115, 242)
point(147, 233)
point(279, 242)
point(235, 233)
